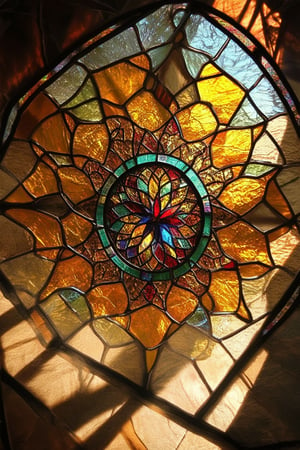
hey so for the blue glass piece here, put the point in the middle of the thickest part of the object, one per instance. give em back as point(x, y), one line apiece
point(235, 61)
point(199, 319)
point(178, 17)
point(246, 115)
point(132, 252)
point(203, 35)
point(266, 99)
point(123, 244)
point(119, 47)
point(159, 55)
point(156, 28)
point(166, 235)
point(194, 61)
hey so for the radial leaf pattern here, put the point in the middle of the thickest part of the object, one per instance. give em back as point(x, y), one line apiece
point(156, 193)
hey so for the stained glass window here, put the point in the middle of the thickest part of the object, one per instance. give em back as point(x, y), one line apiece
point(149, 208)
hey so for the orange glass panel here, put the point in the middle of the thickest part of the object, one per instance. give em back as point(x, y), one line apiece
point(46, 229)
point(38, 109)
point(149, 325)
point(243, 194)
point(151, 356)
point(42, 181)
point(244, 243)
point(147, 112)
point(212, 90)
point(70, 272)
point(75, 184)
point(19, 196)
point(252, 270)
point(225, 290)
point(53, 135)
point(276, 199)
point(91, 141)
point(196, 122)
point(108, 299)
point(118, 83)
point(231, 147)
point(181, 303)
point(76, 229)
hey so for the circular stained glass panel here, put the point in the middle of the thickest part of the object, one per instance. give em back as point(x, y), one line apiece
point(151, 218)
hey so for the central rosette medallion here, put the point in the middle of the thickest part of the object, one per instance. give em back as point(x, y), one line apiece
point(156, 217)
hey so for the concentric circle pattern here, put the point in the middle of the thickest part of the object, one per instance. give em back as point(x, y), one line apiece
point(153, 218)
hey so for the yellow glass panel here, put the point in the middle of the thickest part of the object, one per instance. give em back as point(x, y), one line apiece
point(70, 272)
point(225, 290)
point(42, 181)
point(147, 112)
point(243, 194)
point(231, 147)
point(149, 325)
point(209, 70)
point(196, 122)
point(45, 228)
point(181, 303)
point(91, 141)
point(223, 94)
point(75, 184)
point(118, 83)
point(53, 135)
point(244, 243)
point(76, 229)
point(108, 299)
point(276, 199)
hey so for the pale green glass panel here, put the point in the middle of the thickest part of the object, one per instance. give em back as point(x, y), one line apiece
point(111, 333)
point(64, 320)
point(194, 61)
point(121, 46)
point(61, 160)
point(77, 303)
point(158, 55)
point(87, 92)
point(67, 84)
point(156, 28)
point(28, 272)
point(89, 111)
point(246, 115)
point(14, 240)
point(257, 170)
